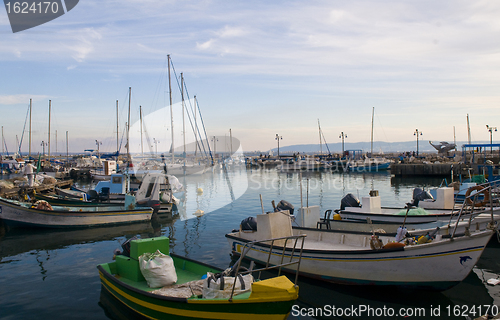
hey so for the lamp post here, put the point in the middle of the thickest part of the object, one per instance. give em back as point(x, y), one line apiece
point(416, 133)
point(43, 145)
point(215, 140)
point(156, 146)
point(98, 143)
point(278, 137)
point(343, 136)
point(490, 129)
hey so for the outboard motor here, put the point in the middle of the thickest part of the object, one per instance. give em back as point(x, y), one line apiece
point(285, 205)
point(419, 195)
point(249, 223)
point(349, 200)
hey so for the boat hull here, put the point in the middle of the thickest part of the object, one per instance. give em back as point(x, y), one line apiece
point(437, 265)
point(155, 306)
point(81, 217)
point(393, 217)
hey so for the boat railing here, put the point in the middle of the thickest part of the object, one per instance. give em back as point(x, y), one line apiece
point(294, 239)
point(491, 195)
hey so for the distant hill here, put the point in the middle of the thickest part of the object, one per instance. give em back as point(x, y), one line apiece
point(378, 146)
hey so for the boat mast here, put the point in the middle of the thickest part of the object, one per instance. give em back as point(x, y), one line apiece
point(230, 143)
point(117, 129)
point(195, 129)
point(29, 154)
point(320, 145)
point(183, 122)
point(3, 141)
point(140, 119)
point(128, 125)
point(49, 131)
point(468, 127)
point(171, 114)
point(67, 153)
point(371, 148)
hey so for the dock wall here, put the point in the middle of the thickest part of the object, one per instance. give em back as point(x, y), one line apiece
point(426, 169)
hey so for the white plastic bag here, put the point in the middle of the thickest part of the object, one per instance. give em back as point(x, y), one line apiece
point(158, 269)
point(220, 286)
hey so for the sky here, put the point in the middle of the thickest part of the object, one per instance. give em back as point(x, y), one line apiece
point(257, 68)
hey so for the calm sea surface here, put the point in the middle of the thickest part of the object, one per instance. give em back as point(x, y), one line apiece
point(47, 274)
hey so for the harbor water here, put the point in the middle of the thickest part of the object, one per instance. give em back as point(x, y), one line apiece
point(51, 274)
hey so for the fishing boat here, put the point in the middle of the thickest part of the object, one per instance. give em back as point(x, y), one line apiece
point(422, 209)
point(467, 216)
point(42, 214)
point(189, 297)
point(55, 199)
point(367, 259)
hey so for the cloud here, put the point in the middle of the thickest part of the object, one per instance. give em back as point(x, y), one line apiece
point(84, 43)
point(20, 99)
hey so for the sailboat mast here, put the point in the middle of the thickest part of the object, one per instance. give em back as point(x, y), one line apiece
point(195, 130)
point(320, 144)
point(67, 151)
point(171, 114)
point(117, 128)
point(49, 131)
point(128, 124)
point(371, 144)
point(183, 122)
point(468, 127)
point(29, 154)
point(231, 142)
point(140, 119)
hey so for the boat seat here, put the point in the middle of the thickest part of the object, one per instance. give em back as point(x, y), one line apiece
point(325, 221)
point(104, 194)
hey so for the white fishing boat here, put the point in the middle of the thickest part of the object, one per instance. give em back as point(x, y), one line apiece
point(42, 214)
point(357, 258)
point(422, 209)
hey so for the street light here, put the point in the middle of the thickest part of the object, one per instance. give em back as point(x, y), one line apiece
point(98, 143)
point(278, 137)
point(416, 134)
point(343, 136)
point(490, 129)
point(214, 140)
point(156, 146)
point(43, 145)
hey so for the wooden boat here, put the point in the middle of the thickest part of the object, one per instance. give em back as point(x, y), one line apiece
point(64, 201)
point(348, 257)
point(267, 299)
point(45, 215)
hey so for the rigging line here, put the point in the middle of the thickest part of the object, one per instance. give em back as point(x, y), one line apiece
point(180, 89)
point(190, 121)
point(199, 133)
point(156, 95)
point(386, 139)
point(196, 125)
point(325, 141)
point(204, 129)
point(150, 146)
point(24, 128)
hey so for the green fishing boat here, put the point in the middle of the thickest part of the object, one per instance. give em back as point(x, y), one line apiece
point(271, 298)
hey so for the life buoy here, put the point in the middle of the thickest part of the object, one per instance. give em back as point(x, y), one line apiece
point(485, 192)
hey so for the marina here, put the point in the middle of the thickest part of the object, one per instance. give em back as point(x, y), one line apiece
point(35, 262)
